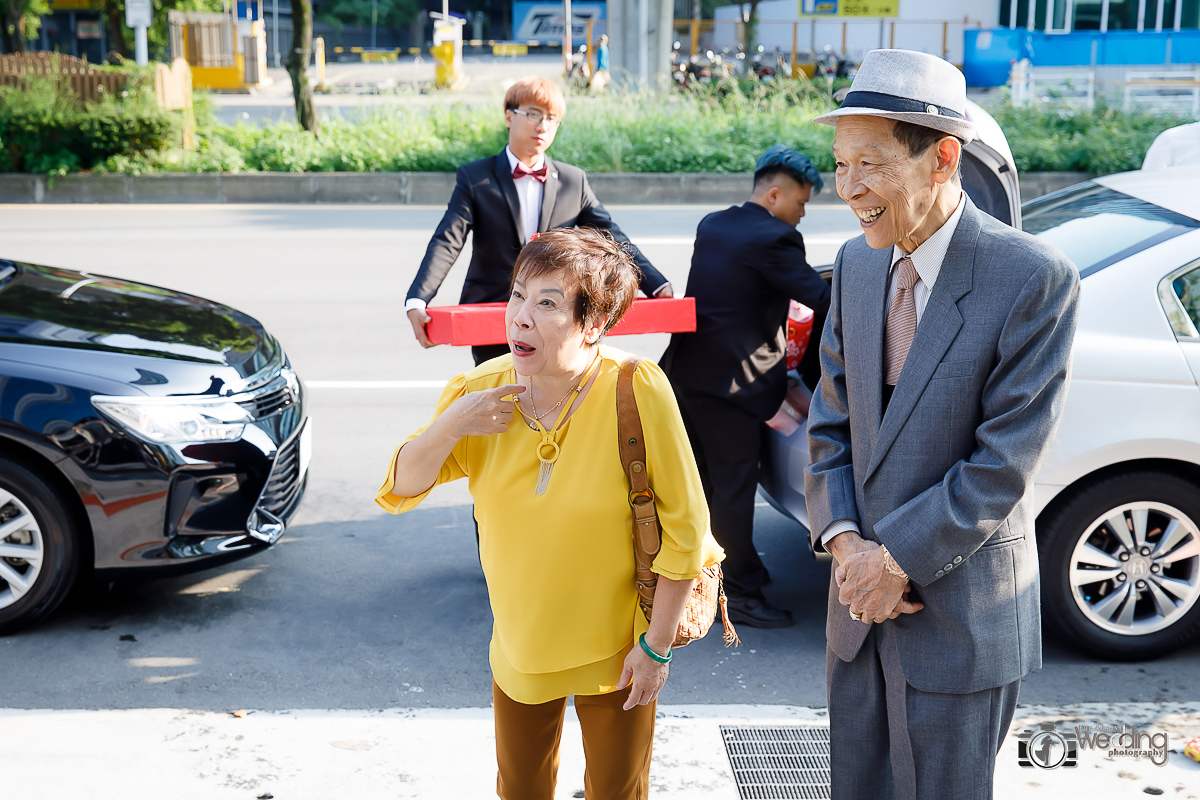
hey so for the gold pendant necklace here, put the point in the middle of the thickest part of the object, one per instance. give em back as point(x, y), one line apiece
point(533, 408)
point(548, 449)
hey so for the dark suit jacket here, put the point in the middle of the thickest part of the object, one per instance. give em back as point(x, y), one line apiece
point(485, 201)
point(746, 267)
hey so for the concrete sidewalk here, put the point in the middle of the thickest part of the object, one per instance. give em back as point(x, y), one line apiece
point(448, 754)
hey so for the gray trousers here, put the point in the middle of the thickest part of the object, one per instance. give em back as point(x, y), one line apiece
point(890, 740)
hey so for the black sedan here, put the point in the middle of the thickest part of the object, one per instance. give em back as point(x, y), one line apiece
point(143, 432)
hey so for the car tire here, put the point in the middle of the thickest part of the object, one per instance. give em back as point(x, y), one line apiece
point(1130, 594)
point(39, 547)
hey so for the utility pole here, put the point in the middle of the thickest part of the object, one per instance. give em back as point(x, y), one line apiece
point(374, 20)
point(275, 34)
point(567, 47)
point(139, 15)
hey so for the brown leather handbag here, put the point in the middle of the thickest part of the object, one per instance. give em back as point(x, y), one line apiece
point(707, 593)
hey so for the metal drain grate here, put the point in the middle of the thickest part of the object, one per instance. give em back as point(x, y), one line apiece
point(778, 761)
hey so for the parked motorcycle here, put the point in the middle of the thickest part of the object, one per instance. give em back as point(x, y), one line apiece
point(832, 64)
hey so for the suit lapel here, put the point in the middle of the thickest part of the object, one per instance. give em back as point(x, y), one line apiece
point(937, 330)
point(871, 289)
point(508, 188)
point(549, 194)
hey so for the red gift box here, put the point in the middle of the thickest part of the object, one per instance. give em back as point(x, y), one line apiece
point(483, 323)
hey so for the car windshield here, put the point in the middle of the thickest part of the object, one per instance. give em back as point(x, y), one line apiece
point(1096, 226)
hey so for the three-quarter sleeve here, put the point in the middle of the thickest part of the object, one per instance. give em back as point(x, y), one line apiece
point(687, 543)
point(453, 468)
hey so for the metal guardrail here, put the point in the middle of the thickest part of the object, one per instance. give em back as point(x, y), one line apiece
point(1158, 90)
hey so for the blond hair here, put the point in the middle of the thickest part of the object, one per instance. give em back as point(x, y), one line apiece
point(541, 92)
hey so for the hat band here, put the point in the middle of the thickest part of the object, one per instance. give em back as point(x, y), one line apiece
point(889, 102)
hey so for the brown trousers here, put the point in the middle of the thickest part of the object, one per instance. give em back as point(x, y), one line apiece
point(616, 746)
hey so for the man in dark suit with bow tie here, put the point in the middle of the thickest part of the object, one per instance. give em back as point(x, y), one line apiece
point(504, 200)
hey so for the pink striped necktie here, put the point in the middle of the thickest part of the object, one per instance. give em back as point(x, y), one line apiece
point(901, 324)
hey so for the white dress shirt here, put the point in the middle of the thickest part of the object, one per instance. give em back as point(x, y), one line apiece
point(529, 194)
point(927, 259)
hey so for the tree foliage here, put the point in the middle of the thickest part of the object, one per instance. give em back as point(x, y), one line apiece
point(391, 13)
point(20, 21)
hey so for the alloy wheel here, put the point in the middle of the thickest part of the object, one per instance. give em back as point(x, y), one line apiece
point(1136, 569)
point(21, 549)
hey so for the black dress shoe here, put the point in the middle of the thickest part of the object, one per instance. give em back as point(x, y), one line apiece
point(758, 613)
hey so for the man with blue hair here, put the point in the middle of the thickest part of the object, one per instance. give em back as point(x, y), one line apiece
point(730, 375)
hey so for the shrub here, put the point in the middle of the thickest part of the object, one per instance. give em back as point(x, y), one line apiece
point(45, 129)
point(1098, 142)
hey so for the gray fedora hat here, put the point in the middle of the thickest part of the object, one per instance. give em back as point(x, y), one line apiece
point(908, 86)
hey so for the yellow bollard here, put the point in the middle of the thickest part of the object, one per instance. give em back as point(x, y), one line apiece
point(319, 57)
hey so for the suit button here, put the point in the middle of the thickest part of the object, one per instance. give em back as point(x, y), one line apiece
point(948, 567)
point(939, 573)
point(958, 559)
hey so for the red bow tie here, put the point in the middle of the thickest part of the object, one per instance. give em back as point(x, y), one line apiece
point(520, 171)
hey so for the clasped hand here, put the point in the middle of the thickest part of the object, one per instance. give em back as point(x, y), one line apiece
point(864, 584)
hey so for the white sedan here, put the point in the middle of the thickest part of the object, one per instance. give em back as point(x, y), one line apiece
point(1118, 499)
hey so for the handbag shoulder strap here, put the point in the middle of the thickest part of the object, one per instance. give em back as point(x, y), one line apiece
point(647, 538)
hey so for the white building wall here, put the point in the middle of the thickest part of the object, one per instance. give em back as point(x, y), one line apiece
point(922, 25)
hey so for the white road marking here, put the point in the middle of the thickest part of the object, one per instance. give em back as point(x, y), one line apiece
point(375, 384)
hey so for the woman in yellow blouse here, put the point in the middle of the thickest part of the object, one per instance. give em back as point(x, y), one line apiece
point(535, 434)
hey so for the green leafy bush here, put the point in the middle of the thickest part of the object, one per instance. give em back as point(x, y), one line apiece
point(1099, 142)
point(45, 129)
point(720, 127)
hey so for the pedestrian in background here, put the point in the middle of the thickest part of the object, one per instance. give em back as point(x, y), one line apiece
point(502, 201)
point(552, 501)
point(601, 77)
point(944, 365)
point(730, 375)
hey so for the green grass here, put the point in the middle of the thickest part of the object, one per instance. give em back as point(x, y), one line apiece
point(717, 128)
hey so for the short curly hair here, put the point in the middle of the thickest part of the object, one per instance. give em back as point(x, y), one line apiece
point(600, 269)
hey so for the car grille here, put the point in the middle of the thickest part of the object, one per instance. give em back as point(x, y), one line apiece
point(283, 487)
point(264, 405)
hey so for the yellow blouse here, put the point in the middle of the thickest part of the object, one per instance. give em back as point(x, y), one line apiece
point(559, 566)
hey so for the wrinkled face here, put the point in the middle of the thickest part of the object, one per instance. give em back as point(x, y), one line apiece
point(789, 200)
point(890, 191)
point(529, 139)
point(543, 335)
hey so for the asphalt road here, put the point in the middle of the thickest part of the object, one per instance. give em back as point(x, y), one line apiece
point(355, 609)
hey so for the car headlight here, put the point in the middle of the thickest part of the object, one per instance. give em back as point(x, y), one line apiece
point(176, 420)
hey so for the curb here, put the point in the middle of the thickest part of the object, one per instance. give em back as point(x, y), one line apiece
point(397, 188)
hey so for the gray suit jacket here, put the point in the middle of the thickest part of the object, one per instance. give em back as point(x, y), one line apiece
point(944, 478)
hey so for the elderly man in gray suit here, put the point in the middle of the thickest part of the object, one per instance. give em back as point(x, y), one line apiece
point(944, 368)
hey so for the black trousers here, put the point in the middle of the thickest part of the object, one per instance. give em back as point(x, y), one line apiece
point(727, 443)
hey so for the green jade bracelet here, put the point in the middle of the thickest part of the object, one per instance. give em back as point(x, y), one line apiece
point(650, 652)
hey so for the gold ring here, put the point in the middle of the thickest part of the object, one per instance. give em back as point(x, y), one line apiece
point(856, 617)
